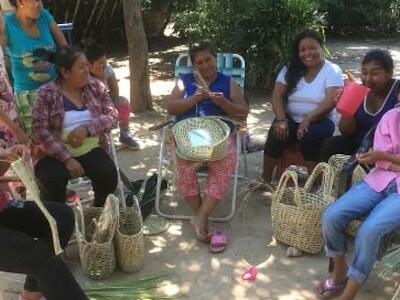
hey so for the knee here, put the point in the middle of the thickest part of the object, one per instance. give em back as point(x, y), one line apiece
point(66, 224)
point(369, 234)
point(330, 218)
point(65, 219)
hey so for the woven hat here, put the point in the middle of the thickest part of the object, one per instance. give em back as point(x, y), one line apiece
point(201, 139)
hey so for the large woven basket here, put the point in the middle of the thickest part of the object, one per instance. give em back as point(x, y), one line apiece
point(95, 242)
point(201, 139)
point(296, 212)
point(129, 239)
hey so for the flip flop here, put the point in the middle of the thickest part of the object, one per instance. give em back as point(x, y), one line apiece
point(250, 274)
point(328, 289)
point(218, 242)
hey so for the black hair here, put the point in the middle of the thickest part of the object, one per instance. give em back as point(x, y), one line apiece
point(65, 59)
point(295, 68)
point(198, 47)
point(381, 57)
point(13, 2)
point(94, 50)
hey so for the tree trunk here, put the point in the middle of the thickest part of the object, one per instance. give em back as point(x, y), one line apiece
point(141, 99)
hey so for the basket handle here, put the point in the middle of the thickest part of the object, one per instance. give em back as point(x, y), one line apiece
point(283, 181)
point(328, 176)
point(79, 210)
point(137, 207)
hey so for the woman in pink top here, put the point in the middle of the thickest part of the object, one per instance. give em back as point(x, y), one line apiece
point(377, 196)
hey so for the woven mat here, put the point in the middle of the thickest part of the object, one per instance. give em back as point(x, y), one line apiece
point(155, 224)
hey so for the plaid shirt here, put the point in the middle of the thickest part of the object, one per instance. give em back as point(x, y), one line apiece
point(48, 116)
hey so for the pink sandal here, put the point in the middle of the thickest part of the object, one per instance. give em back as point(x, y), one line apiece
point(218, 242)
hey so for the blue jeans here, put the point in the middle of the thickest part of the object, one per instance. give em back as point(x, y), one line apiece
point(383, 210)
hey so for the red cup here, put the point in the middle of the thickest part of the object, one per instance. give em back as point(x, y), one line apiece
point(351, 98)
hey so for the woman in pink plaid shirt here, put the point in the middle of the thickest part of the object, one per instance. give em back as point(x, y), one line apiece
point(70, 119)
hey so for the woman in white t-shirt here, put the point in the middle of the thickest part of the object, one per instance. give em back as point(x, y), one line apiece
point(303, 102)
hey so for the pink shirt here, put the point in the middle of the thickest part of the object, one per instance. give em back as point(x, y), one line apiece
point(387, 139)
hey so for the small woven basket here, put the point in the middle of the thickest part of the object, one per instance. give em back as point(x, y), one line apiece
point(336, 162)
point(129, 238)
point(296, 212)
point(95, 241)
point(201, 139)
point(353, 226)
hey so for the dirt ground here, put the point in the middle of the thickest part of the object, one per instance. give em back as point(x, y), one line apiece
point(195, 273)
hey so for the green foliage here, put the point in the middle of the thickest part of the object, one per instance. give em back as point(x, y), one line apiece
point(260, 30)
point(353, 17)
point(205, 19)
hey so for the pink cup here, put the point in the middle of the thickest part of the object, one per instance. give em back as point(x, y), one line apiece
point(350, 100)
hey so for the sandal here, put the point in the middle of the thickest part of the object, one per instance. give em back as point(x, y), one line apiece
point(328, 289)
point(260, 184)
point(218, 242)
point(250, 274)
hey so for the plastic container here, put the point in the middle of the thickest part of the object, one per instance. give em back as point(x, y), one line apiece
point(351, 98)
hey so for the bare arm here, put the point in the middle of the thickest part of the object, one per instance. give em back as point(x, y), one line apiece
point(58, 35)
point(237, 107)
point(325, 106)
point(177, 105)
point(113, 86)
point(278, 105)
point(347, 126)
point(3, 37)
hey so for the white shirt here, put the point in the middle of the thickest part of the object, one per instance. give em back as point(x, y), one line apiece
point(308, 95)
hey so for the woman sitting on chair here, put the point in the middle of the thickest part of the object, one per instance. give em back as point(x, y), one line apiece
point(70, 119)
point(188, 100)
point(377, 74)
point(303, 102)
point(375, 196)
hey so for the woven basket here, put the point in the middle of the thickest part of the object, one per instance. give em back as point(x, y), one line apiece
point(129, 239)
point(296, 212)
point(336, 162)
point(95, 243)
point(353, 226)
point(201, 139)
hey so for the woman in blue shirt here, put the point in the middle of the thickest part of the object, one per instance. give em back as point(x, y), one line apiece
point(30, 36)
point(222, 97)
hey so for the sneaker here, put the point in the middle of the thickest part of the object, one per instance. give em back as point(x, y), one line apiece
point(129, 142)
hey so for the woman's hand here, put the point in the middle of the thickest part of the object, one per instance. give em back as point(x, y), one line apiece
point(14, 152)
point(281, 129)
point(370, 157)
point(303, 128)
point(74, 167)
point(200, 95)
point(218, 98)
point(76, 137)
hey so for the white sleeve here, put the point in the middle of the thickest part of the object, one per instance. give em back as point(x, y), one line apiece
point(281, 75)
point(334, 76)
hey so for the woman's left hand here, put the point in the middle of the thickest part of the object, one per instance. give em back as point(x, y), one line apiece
point(217, 97)
point(370, 157)
point(303, 128)
point(76, 137)
point(14, 152)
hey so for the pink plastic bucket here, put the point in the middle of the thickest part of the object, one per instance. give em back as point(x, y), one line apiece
point(351, 98)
